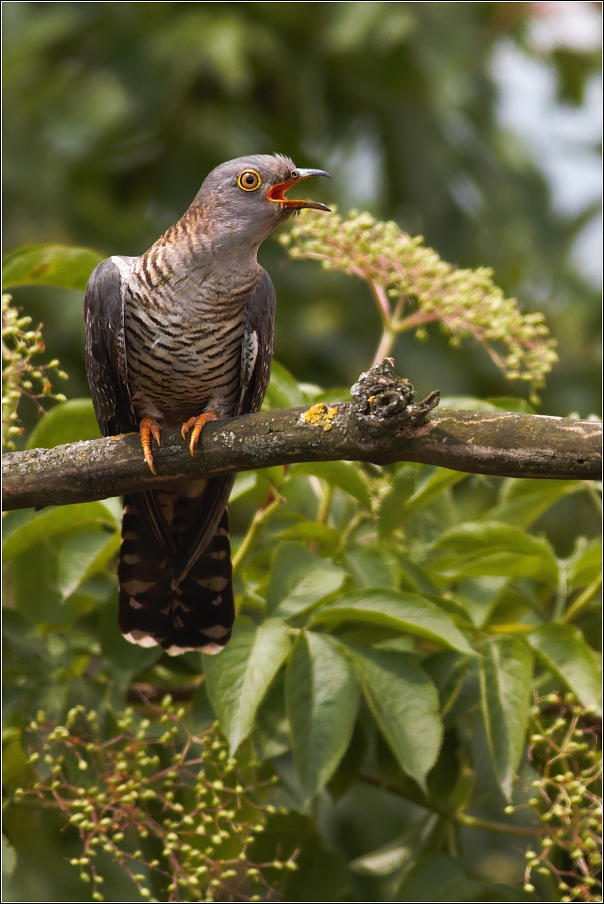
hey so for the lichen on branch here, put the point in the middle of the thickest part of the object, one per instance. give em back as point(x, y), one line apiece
point(413, 287)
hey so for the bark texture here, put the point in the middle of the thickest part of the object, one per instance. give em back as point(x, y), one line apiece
point(479, 442)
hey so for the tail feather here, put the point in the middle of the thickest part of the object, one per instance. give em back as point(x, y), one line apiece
point(197, 613)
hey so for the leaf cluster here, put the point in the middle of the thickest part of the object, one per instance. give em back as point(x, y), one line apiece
point(388, 620)
point(393, 625)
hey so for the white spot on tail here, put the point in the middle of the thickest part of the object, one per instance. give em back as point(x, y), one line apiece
point(141, 638)
point(211, 648)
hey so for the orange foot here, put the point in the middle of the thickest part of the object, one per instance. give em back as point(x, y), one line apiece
point(197, 423)
point(149, 426)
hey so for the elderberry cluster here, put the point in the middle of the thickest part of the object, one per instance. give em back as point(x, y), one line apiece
point(426, 289)
point(565, 748)
point(171, 808)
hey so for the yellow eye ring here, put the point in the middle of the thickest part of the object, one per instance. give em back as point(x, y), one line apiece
point(249, 180)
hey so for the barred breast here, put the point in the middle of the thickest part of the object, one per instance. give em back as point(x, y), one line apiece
point(184, 332)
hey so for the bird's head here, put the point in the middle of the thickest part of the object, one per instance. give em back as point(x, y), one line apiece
point(244, 199)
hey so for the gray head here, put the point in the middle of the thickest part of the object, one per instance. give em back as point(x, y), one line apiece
point(243, 200)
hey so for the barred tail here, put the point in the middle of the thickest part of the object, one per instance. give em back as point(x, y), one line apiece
point(195, 614)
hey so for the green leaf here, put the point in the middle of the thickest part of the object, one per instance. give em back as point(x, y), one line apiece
point(511, 403)
point(438, 877)
point(15, 770)
point(586, 567)
point(49, 265)
point(58, 520)
point(299, 579)
point(392, 507)
point(34, 585)
point(505, 681)
point(489, 548)
point(398, 853)
point(244, 483)
point(322, 873)
point(475, 537)
point(467, 403)
point(271, 735)
point(404, 703)
point(239, 677)
point(350, 765)
point(431, 488)
point(524, 500)
point(283, 390)
point(83, 556)
point(342, 474)
point(322, 702)
point(68, 422)
point(274, 476)
point(494, 563)
point(406, 612)
point(479, 596)
point(373, 566)
point(328, 538)
point(562, 649)
point(448, 671)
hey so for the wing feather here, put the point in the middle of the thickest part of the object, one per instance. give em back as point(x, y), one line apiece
point(106, 365)
point(107, 371)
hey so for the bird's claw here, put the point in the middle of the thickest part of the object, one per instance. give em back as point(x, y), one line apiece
point(197, 423)
point(149, 427)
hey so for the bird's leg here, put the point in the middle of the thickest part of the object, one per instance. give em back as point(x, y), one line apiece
point(197, 423)
point(148, 427)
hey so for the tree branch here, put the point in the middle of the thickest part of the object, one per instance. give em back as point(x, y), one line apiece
point(381, 425)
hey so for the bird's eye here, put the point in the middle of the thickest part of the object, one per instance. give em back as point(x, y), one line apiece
point(249, 180)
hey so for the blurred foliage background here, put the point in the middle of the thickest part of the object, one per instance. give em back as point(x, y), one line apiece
point(115, 112)
point(473, 124)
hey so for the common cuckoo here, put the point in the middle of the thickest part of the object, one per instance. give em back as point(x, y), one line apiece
point(181, 335)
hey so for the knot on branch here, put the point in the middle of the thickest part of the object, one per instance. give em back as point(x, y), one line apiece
point(380, 399)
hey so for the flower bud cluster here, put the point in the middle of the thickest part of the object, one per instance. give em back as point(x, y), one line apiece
point(20, 376)
point(156, 787)
point(565, 749)
point(399, 267)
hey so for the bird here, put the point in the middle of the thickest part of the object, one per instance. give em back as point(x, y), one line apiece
point(179, 336)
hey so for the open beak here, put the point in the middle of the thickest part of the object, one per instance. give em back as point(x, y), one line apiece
point(277, 192)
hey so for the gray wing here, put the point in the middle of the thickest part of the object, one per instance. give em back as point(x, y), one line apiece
point(106, 350)
point(257, 350)
point(107, 373)
point(256, 358)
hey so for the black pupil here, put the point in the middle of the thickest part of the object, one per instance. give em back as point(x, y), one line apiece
point(250, 179)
